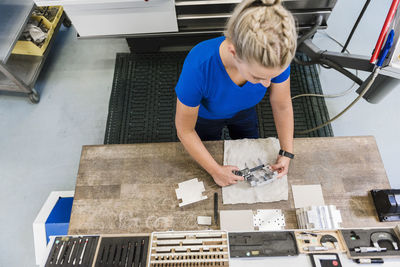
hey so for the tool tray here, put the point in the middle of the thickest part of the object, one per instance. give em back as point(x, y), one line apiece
point(354, 238)
point(68, 255)
point(316, 241)
point(122, 251)
point(262, 244)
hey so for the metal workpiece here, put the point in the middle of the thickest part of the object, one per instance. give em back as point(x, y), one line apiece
point(259, 175)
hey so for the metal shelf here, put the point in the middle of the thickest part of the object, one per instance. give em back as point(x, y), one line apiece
point(14, 15)
point(18, 73)
point(26, 68)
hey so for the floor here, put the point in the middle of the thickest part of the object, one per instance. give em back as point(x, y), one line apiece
point(40, 144)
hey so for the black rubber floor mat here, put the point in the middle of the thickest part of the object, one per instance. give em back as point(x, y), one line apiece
point(143, 100)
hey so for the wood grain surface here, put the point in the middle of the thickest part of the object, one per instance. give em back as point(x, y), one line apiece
point(131, 188)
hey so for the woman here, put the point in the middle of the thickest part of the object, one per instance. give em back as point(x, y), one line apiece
point(224, 78)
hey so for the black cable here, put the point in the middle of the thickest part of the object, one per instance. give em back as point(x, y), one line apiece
point(356, 25)
point(341, 70)
point(311, 32)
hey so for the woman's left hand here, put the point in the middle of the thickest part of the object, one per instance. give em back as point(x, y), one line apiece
point(281, 166)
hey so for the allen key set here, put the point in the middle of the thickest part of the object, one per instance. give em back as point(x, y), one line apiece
point(124, 251)
point(72, 251)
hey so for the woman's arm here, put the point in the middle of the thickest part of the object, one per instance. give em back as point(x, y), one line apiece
point(185, 122)
point(282, 110)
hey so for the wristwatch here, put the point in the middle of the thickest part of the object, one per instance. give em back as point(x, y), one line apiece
point(286, 154)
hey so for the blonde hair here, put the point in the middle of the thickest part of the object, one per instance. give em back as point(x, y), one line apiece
point(264, 32)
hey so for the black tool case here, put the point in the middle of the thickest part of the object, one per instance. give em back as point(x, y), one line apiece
point(262, 244)
point(355, 238)
point(387, 204)
point(99, 251)
point(122, 251)
point(69, 251)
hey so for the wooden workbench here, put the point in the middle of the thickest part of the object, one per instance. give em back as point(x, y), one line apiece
point(131, 188)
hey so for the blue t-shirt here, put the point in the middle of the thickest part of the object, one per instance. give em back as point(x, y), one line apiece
point(205, 82)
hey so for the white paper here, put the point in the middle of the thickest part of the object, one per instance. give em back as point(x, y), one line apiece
point(307, 195)
point(248, 153)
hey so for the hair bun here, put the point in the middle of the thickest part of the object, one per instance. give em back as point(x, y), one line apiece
point(270, 2)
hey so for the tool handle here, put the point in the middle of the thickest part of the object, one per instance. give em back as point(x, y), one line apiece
point(386, 48)
point(385, 28)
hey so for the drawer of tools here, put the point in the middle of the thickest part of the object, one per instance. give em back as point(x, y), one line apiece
point(125, 251)
point(72, 251)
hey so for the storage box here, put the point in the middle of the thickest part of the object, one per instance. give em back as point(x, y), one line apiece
point(30, 48)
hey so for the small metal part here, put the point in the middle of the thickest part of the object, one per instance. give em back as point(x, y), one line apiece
point(134, 255)
point(65, 253)
point(115, 254)
point(120, 255)
point(77, 251)
point(108, 253)
point(368, 249)
point(102, 254)
point(83, 251)
point(59, 252)
point(315, 248)
point(383, 236)
point(53, 255)
point(72, 251)
point(127, 254)
point(141, 253)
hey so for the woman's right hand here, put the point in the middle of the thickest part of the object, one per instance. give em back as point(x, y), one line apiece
point(224, 176)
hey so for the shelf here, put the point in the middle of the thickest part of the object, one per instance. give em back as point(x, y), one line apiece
point(26, 68)
point(14, 15)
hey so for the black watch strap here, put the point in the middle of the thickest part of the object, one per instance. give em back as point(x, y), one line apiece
point(286, 154)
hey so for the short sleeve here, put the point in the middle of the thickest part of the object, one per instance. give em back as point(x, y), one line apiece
point(282, 77)
point(190, 84)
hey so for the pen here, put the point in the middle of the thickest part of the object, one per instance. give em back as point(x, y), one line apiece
point(216, 208)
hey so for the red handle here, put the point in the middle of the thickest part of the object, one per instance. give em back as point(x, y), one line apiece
point(385, 28)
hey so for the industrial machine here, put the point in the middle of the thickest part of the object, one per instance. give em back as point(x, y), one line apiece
point(148, 25)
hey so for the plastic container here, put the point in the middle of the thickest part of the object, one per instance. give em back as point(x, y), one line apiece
point(30, 48)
